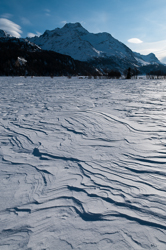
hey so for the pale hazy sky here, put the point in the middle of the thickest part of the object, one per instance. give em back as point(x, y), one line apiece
point(141, 25)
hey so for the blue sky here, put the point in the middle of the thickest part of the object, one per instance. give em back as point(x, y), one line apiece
point(141, 25)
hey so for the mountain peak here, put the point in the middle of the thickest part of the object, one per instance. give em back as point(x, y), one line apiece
point(4, 34)
point(73, 25)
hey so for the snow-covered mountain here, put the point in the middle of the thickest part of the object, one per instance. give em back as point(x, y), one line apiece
point(76, 41)
point(101, 51)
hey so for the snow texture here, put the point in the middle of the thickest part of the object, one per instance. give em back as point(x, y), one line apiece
point(82, 164)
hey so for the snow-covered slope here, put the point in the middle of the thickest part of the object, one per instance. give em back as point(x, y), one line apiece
point(76, 41)
point(146, 59)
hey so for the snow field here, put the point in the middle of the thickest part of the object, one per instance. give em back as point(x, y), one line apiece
point(82, 164)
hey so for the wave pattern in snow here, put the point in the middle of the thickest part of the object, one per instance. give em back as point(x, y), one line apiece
point(82, 164)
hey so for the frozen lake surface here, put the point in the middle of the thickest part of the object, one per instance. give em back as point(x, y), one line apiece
point(82, 164)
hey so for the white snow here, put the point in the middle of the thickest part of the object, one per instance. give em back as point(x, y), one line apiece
point(22, 61)
point(142, 62)
point(82, 164)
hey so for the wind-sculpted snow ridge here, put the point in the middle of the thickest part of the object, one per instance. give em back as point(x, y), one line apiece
point(82, 164)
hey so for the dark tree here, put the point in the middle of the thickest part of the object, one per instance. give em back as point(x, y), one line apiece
point(129, 75)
